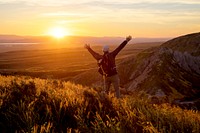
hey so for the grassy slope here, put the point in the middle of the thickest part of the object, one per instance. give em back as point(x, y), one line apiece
point(187, 43)
point(36, 105)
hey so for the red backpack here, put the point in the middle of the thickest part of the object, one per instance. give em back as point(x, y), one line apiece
point(105, 66)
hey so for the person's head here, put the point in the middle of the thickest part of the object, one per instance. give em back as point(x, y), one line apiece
point(105, 48)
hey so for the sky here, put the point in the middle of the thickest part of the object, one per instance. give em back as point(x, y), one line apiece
point(139, 18)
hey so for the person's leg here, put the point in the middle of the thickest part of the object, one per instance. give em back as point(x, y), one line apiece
point(115, 81)
point(107, 84)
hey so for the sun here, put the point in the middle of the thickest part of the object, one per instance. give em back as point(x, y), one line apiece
point(58, 32)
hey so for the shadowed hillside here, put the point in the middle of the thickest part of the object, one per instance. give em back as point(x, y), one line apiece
point(173, 69)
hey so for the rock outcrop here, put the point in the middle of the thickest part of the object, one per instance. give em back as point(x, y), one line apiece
point(173, 69)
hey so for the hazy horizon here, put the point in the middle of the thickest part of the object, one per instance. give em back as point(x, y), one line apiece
point(87, 36)
point(75, 39)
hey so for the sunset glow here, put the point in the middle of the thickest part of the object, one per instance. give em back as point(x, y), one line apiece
point(58, 32)
point(141, 18)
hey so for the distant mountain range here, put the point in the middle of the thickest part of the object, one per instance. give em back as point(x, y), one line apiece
point(74, 39)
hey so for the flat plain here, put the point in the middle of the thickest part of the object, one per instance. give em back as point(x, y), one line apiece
point(57, 63)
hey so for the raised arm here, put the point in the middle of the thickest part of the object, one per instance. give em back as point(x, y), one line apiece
point(121, 46)
point(92, 52)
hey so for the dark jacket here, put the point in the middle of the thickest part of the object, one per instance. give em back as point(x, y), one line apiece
point(111, 55)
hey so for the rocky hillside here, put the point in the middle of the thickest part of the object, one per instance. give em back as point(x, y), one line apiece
point(171, 70)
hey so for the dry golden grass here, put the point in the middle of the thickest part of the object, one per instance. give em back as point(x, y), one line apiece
point(38, 105)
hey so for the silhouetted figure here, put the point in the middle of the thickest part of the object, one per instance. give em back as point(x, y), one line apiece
point(107, 65)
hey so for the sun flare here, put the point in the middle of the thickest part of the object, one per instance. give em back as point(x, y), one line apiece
point(58, 32)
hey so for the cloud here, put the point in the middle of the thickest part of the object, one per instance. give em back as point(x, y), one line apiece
point(67, 17)
point(64, 14)
point(157, 11)
point(67, 2)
